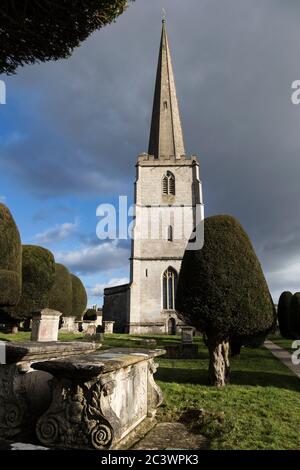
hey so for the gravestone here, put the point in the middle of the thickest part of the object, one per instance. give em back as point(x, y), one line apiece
point(90, 329)
point(45, 324)
point(68, 324)
point(108, 327)
point(187, 333)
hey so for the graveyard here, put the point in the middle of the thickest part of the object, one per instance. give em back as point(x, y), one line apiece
point(149, 297)
point(263, 395)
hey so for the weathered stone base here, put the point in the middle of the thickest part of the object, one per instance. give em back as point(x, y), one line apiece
point(136, 435)
point(25, 394)
point(99, 399)
point(108, 327)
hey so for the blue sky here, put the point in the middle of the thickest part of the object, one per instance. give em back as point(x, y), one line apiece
point(71, 130)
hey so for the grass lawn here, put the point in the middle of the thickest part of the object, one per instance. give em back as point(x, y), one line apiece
point(259, 410)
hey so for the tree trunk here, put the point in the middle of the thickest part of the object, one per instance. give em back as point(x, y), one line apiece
point(219, 367)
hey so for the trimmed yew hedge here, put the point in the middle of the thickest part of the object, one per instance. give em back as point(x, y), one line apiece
point(294, 317)
point(61, 293)
point(38, 275)
point(10, 259)
point(222, 290)
point(284, 314)
point(79, 297)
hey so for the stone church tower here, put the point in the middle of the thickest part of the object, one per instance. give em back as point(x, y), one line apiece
point(167, 193)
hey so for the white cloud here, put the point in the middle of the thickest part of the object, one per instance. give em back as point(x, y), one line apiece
point(287, 278)
point(90, 259)
point(3, 199)
point(57, 233)
point(97, 290)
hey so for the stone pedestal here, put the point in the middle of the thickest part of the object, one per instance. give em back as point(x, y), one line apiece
point(187, 334)
point(45, 325)
point(25, 394)
point(68, 325)
point(98, 322)
point(100, 400)
point(108, 326)
point(14, 330)
point(90, 329)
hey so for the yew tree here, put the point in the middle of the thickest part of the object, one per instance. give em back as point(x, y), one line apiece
point(284, 314)
point(38, 275)
point(222, 292)
point(61, 295)
point(294, 324)
point(79, 297)
point(41, 30)
point(10, 259)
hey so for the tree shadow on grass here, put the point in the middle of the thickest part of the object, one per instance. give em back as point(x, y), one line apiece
point(265, 379)
point(186, 376)
point(250, 378)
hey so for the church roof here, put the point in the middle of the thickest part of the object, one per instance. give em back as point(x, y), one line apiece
point(166, 136)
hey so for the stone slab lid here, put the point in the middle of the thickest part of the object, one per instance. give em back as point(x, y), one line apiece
point(88, 366)
point(33, 350)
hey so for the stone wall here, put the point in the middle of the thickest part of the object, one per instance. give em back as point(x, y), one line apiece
point(116, 306)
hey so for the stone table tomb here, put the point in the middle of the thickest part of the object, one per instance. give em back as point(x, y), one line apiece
point(101, 400)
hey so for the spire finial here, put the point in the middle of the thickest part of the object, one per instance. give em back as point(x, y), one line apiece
point(164, 15)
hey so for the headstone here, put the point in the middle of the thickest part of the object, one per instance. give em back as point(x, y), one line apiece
point(68, 324)
point(45, 324)
point(108, 326)
point(187, 333)
point(14, 330)
point(90, 329)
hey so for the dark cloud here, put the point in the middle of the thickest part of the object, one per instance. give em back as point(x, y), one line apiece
point(234, 63)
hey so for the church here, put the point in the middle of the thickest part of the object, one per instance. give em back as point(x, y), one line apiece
point(167, 192)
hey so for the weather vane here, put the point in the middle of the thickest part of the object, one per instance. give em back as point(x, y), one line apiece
point(164, 14)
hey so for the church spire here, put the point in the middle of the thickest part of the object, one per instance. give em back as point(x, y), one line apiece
point(166, 137)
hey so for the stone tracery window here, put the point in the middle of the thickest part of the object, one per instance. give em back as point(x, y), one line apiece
point(168, 184)
point(169, 288)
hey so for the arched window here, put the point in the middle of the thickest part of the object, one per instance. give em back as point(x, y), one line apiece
point(170, 233)
point(169, 289)
point(168, 184)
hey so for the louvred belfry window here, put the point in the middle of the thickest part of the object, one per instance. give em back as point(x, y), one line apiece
point(168, 184)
